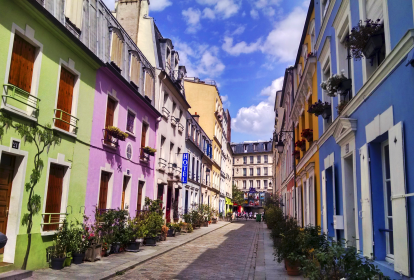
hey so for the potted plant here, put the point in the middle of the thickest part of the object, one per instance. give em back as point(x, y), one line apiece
point(116, 133)
point(189, 228)
point(366, 39)
point(149, 151)
point(119, 222)
point(164, 232)
point(332, 84)
point(301, 144)
point(171, 230)
point(136, 230)
point(58, 253)
point(345, 86)
point(296, 154)
point(154, 225)
point(78, 242)
point(319, 108)
point(307, 133)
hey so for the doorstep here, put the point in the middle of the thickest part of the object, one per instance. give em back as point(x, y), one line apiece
point(109, 266)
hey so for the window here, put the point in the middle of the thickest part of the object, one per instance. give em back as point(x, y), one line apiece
point(258, 171)
point(251, 183)
point(192, 168)
point(244, 185)
point(165, 99)
point(130, 122)
point(245, 148)
point(244, 172)
point(265, 159)
point(149, 85)
point(162, 150)
point(265, 171)
point(265, 146)
point(117, 48)
point(21, 65)
point(54, 196)
point(265, 183)
point(124, 188)
point(386, 174)
point(258, 184)
point(244, 160)
point(109, 120)
point(143, 138)
point(254, 147)
point(139, 198)
point(135, 71)
point(180, 115)
point(324, 6)
point(103, 190)
point(64, 102)
point(251, 159)
point(251, 171)
point(258, 159)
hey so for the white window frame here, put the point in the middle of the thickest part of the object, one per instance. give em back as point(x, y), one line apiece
point(107, 169)
point(127, 201)
point(325, 62)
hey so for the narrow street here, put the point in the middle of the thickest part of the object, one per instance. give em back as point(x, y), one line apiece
point(240, 250)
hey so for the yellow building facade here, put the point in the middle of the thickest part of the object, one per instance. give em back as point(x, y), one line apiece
point(205, 101)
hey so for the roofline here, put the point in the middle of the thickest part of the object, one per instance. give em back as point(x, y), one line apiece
point(305, 28)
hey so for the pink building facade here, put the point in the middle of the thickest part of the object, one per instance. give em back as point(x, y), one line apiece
point(120, 175)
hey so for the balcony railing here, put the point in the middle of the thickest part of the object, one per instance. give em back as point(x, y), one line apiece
point(108, 139)
point(20, 99)
point(177, 172)
point(173, 121)
point(170, 168)
point(180, 127)
point(162, 164)
point(65, 120)
point(165, 112)
point(51, 221)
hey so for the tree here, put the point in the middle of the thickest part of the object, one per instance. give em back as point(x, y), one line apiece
point(43, 138)
point(237, 195)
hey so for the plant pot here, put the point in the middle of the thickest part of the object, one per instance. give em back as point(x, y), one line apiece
point(57, 263)
point(171, 232)
point(68, 260)
point(93, 252)
point(132, 246)
point(150, 241)
point(204, 224)
point(78, 258)
point(214, 221)
point(292, 268)
point(116, 246)
point(163, 237)
point(327, 113)
point(345, 86)
point(104, 253)
point(373, 46)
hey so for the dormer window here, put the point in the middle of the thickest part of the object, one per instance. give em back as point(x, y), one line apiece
point(168, 61)
point(117, 46)
point(245, 148)
point(149, 85)
point(135, 69)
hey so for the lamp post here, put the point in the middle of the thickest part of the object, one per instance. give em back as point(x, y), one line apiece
point(280, 146)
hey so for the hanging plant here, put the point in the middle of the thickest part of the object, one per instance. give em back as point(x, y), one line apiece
point(333, 84)
point(342, 106)
point(307, 134)
point(148, 150)
point(116, 133)
point(296, 154)
point(319, 107)
point(365, 31)
point(301, 144)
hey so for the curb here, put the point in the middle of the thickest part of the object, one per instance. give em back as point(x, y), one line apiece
point(155, 256)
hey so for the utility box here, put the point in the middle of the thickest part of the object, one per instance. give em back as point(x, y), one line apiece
point(338, 222)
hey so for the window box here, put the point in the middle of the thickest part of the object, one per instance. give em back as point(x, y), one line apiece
point(149, 151)
point(165, 113)
point(345, 86)
point(301, 144)
point(307, 134)
point(116, 133)
point(318, 108)
point(366, 39)
point(326, 114)
point(180, 127)
point(173, 121)
point(296, 154)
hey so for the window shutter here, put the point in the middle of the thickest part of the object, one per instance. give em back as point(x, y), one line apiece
point(54, 196)
point(149, 81)
point(65, 96)
point(324, 214)
point(103, 191)
point(399, 205)
point(117, 48)
point(135, 70)
point(73, 11)
point(110, 111)
point(21, 66)
point(367, 231)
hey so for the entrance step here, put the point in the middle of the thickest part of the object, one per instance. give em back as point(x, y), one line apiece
point(4, 267)
point(16, 275)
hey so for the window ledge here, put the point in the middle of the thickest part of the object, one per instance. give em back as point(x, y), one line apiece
point(130, 133)
point(65, 132)
point(48, 233)
point(113, 147)
point(16, 111)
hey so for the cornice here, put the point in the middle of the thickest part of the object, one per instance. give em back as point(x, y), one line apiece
point(339, 15)
point(324, 23)
point(311, 151)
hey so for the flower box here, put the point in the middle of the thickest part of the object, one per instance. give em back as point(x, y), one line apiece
point(307, 134)
point(366, 39)
point(296, 154)
point(301, 144)
point(327, 113)
point(374, 45)
point(149, 151)
point(319, 107)
point(345, 86)
point(93, 253)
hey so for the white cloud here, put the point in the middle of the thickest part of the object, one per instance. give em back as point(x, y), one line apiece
point(200, 60)
point(192, 17)
point(270, 12)
point(209, 13)
point(258, 120)
point(224, 8)
point(241, 47)
point(225, 100)
point(254, 14)
point(159, 5)
point(239, 30)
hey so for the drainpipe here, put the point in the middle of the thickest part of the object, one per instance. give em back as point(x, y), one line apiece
point(294, 160)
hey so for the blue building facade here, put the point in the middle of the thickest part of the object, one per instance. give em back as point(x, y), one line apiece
point(367, 148)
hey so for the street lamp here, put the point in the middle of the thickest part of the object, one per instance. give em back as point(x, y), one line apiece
point(280, 146)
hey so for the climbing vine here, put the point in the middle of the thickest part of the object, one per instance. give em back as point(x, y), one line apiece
point(43, 139)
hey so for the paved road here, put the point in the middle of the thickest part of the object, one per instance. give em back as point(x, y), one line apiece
point(231, 252)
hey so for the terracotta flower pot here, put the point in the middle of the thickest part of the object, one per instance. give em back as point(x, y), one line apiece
point(292, 268)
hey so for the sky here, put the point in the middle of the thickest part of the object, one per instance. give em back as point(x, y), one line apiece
point(244, 45)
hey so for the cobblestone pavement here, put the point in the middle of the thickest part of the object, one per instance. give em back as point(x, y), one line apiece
point(241, 250)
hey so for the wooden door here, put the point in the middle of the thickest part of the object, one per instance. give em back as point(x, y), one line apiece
point(6, 179)
point(54, 196)
point(103, 190)
point(124, 186)
point(143, 138)
point(21, 66)
point(139, 198)
point(168, 208)
point(65, 96)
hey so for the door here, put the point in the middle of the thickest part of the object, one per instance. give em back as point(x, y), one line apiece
point(109, 120)
point(103, 190)
point(6, 179)
point(139, 198)
point(186, 202)
point(54, 197)
point(168, 208)
point(65, 96)
point(124, 187)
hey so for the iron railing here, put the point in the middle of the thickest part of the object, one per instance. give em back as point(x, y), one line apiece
point(180, 127)
point(162, 163)
point(108, 139)
point(165, 112)
point(67, 118)
point(20, 98)
point(174, 121)
point(51, 221)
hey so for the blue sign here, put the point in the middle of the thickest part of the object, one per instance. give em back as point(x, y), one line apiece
point(252, 190)
point(184, 169)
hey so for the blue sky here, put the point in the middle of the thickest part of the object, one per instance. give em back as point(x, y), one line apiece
point(244, 45)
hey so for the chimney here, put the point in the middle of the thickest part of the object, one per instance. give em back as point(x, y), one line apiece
point(196, 117)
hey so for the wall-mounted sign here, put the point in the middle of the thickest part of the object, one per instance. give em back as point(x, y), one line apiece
point(15, 144)
point(252, 190)
point(184, 168)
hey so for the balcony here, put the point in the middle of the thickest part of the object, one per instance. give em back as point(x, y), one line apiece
point(177, 172)
point(171, 169)
point(65, 121)
point(162, 164)
point(180, 127)
point(51, 221)
point(165, 113)
point(109, 140)
point(20, 101)
point(174, 121)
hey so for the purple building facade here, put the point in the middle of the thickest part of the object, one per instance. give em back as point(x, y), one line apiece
point(120, 174)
